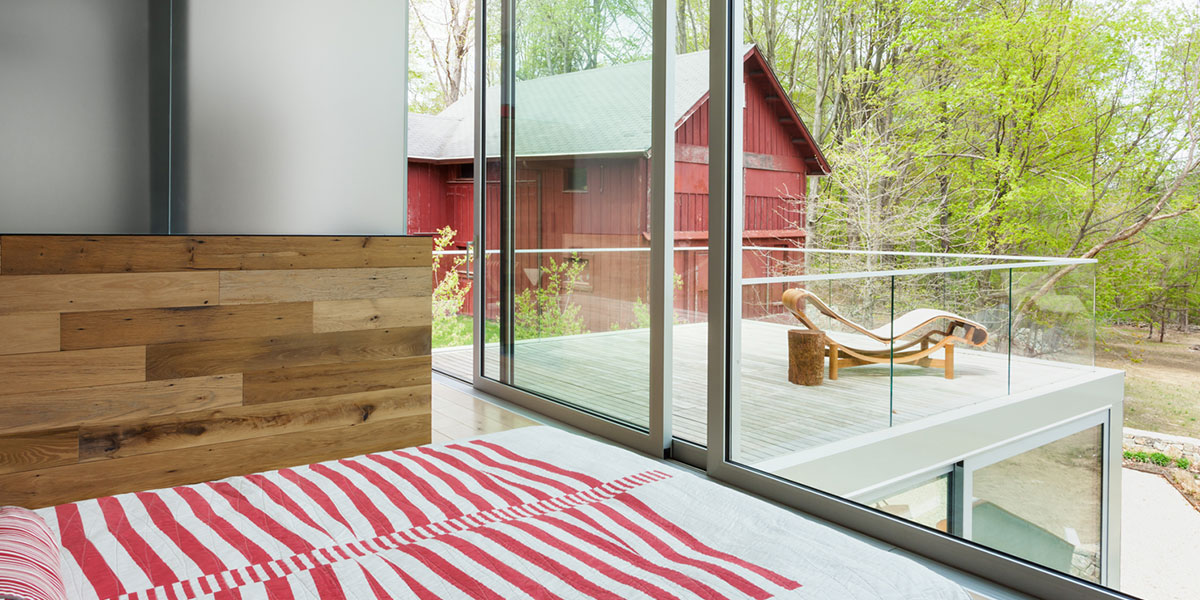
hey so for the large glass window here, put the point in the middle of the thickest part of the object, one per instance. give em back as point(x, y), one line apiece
point(927, 503)
point(690, 282)
point(572, 220)
point(1044, 505)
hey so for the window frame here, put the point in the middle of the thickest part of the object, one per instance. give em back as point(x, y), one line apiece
point(570, 179)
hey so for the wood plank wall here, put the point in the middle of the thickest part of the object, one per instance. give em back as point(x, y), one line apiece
point(137, 362)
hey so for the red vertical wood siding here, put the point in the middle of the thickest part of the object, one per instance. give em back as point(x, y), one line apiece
point(614, 212)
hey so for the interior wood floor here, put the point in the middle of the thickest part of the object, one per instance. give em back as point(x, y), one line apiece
point(457, 415)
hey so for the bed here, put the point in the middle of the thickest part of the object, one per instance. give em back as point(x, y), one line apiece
point(533, 512)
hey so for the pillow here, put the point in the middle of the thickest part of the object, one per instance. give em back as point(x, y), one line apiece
point(29, 568)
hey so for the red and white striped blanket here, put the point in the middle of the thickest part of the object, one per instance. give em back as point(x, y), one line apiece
point(534, 512)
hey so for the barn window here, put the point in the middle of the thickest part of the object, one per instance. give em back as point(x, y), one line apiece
point(466, 171)
point(575, 179)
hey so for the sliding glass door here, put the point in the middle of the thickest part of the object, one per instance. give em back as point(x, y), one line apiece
point(573, 219)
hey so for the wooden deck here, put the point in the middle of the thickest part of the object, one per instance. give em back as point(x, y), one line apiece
point(609, 372)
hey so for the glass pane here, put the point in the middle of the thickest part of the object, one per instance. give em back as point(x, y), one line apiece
point(69, 165)
point(278, 125)
point(441, 179)
point(772, 417)
point(1044, 505)
point(489, 259)
point(581, 202)
point(927, 503)
point(690, 336)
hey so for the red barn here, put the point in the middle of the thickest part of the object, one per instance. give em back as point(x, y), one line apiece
point(583, 179)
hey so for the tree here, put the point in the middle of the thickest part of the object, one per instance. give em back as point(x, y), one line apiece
point(563, 36)
point(444, 39)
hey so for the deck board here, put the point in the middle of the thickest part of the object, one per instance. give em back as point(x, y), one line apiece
point(609, 372)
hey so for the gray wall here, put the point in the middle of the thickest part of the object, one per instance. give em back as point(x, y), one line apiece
point(294, 117)
point(74, 130)
point(286, 116)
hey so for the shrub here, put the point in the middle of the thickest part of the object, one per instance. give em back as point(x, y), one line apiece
point(547, 310)
point(448, 297)
point(1160, 459)
point(641, 310)
point(1182, 463)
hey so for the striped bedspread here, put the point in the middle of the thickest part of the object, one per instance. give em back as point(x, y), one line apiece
point(529, 513)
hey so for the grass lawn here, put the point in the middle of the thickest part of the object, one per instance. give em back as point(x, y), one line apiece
point(459, 333)
point(1162, 381)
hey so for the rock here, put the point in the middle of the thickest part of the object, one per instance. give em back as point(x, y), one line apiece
point(1186, 481)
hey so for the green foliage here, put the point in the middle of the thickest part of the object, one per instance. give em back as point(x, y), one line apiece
point(449, 328)
point(547, 310)
point(1160, 459)
point(1010, 127)
point(641, 310)
point(1182, 463)
point(563, 36)
point(1036, 127)
point(1156, 458)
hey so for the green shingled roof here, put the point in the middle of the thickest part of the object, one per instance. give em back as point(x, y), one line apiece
point(598, 111)
point(603, 111)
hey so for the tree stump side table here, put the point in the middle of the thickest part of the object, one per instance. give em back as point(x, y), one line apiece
point(806, 356)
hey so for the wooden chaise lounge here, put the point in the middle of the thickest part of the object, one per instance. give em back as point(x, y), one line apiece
point(917, 350)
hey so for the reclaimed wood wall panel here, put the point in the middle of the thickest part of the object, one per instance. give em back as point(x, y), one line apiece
point(117, 403)
point(187, 430)
point(135, 362)
point(29, 451)
point(308, 285)
point(66, 293)
point(378, 313)
point(45, 487)
point(190, 359)
point(75, 254)
point(191, 323)
point(29, 332)
point(273, 252)
point(65, 370)
point(278, 385)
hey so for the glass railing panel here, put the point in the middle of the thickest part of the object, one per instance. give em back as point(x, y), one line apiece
point(1053, 327)
point(930, 353)
point(794, 327)
point(950, 348)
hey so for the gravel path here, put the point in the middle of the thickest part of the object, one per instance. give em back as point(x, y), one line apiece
point(1159, 533)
